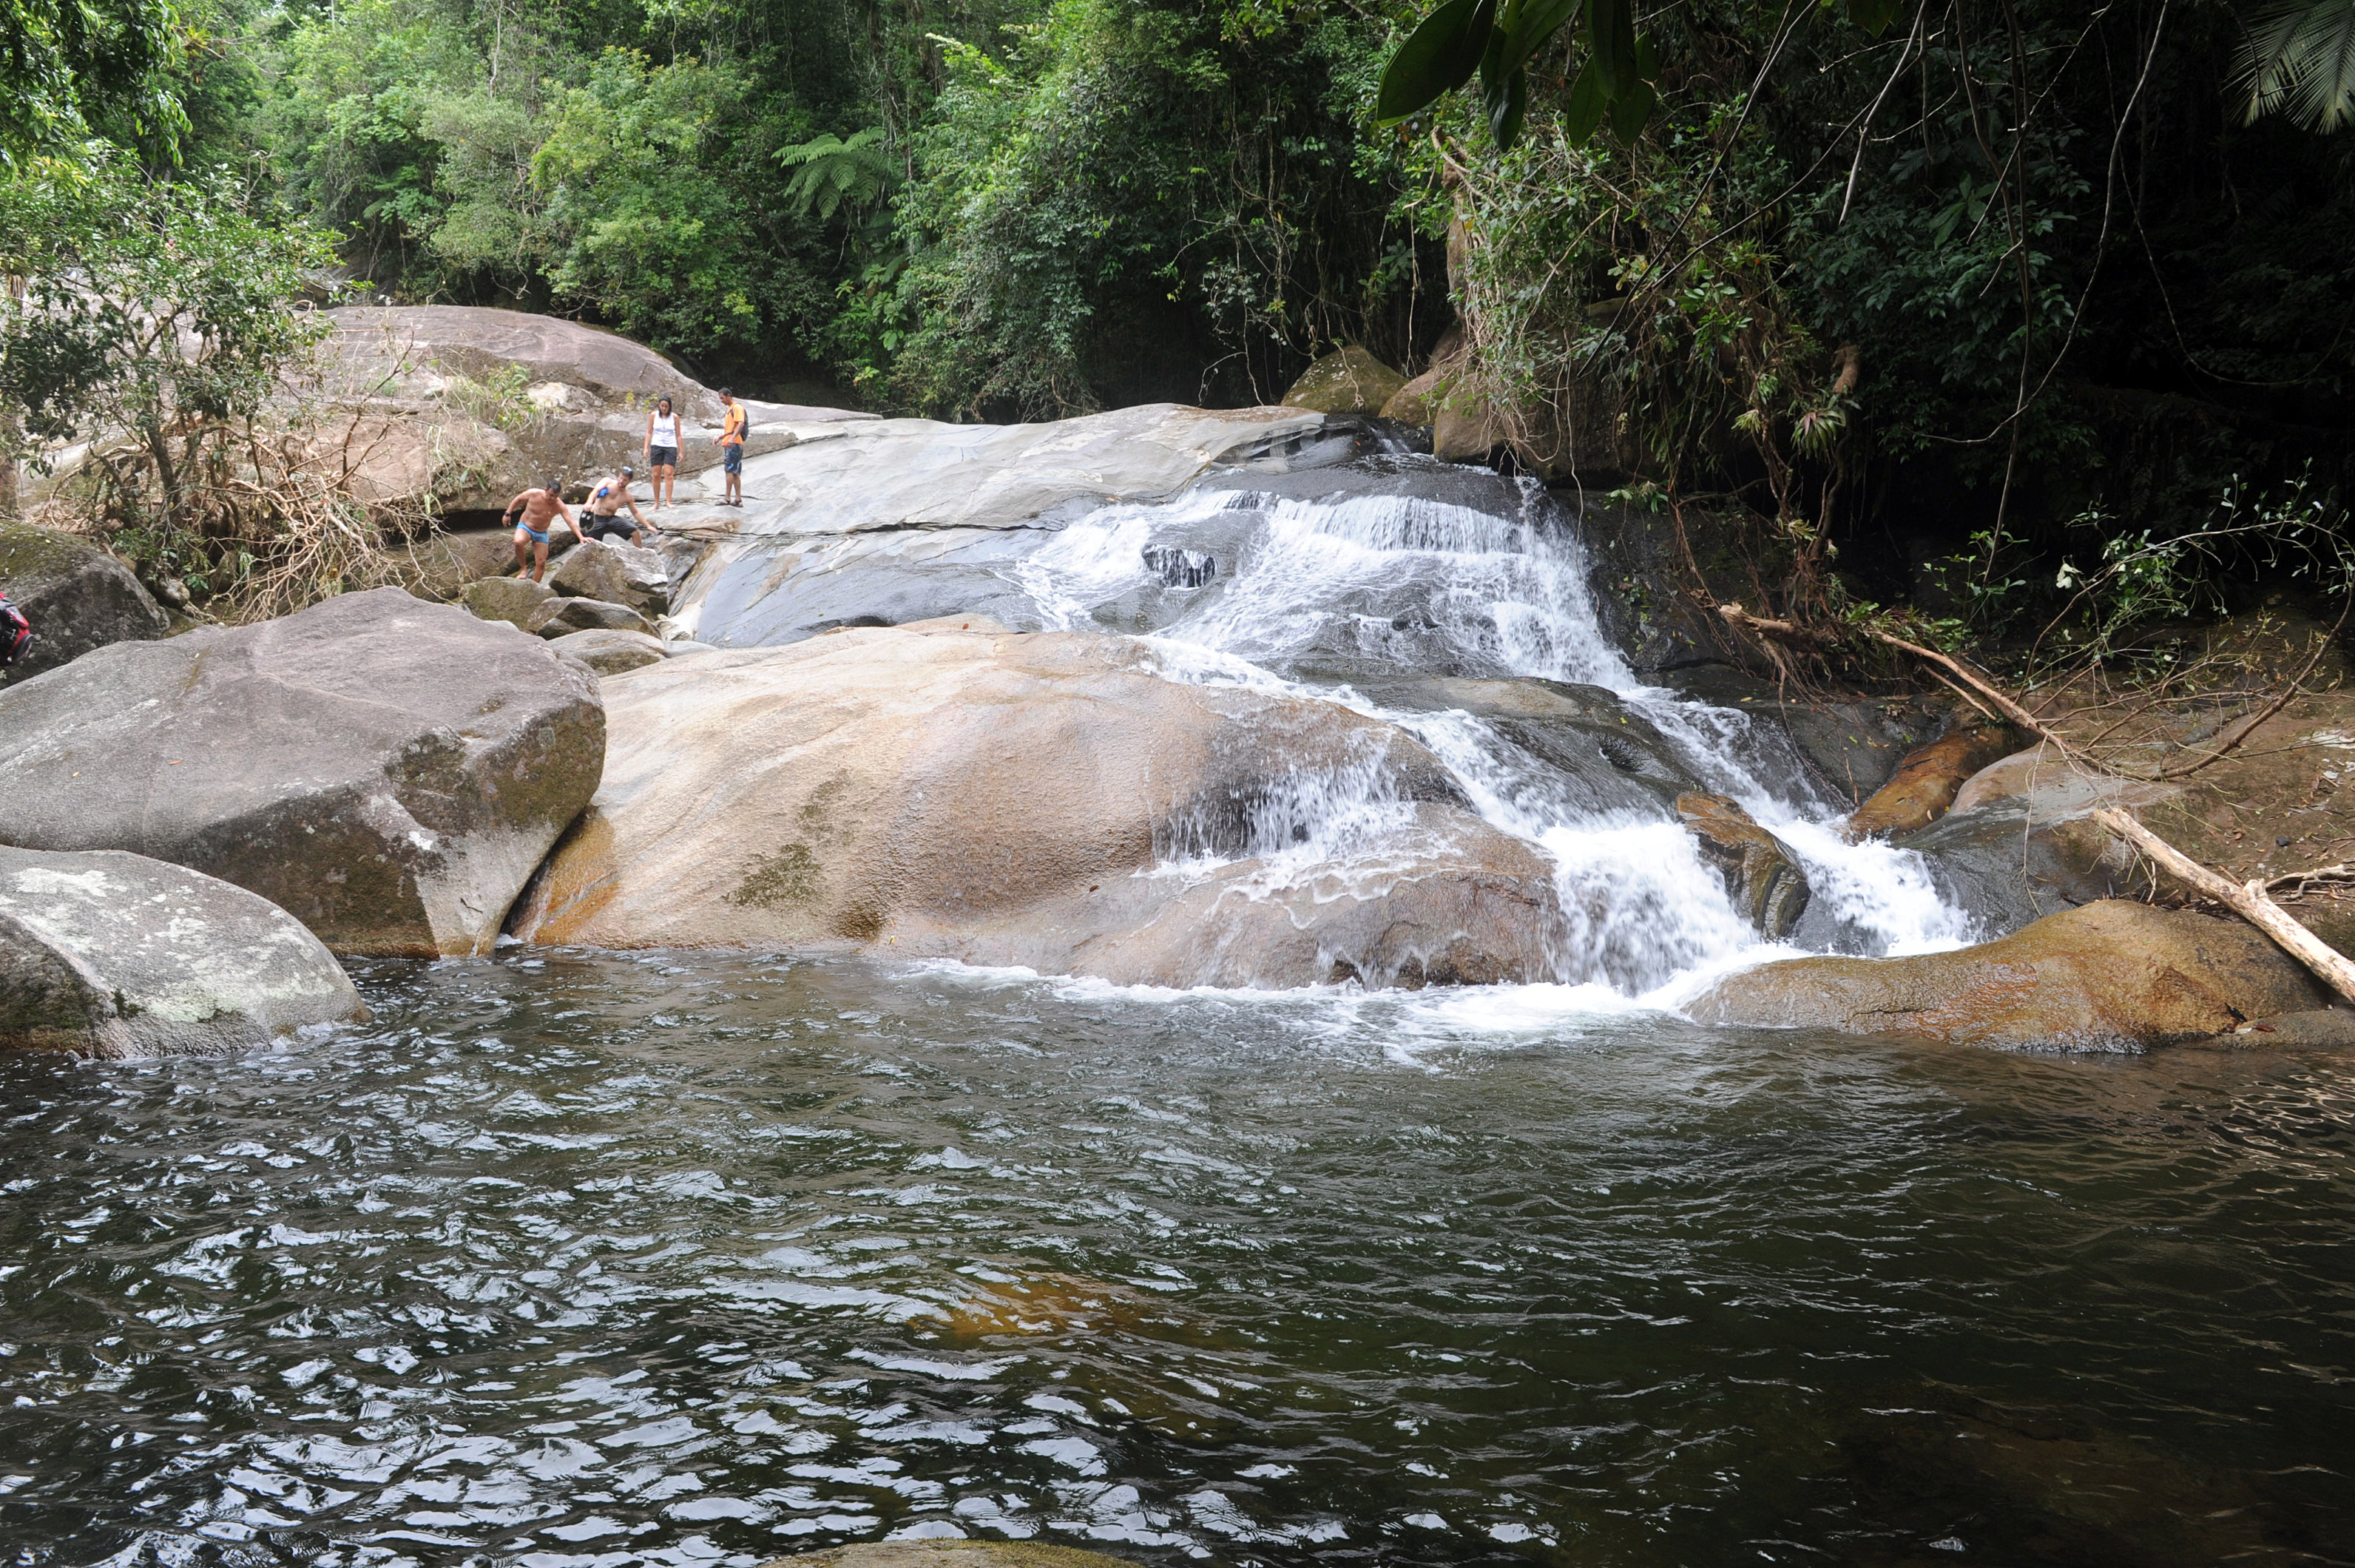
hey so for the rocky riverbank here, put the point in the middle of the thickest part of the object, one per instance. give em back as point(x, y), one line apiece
point(924, 723)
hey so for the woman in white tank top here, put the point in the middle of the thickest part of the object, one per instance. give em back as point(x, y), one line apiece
point(662, 446)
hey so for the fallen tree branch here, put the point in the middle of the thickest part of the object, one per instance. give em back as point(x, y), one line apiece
point(2246, 899)
point(2342, 872)
point(1786, 632)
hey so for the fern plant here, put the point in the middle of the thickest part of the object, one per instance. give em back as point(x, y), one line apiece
point(831, 174)
point(2297, 58)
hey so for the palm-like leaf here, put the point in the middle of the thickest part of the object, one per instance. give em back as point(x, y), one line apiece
point(2297, 58)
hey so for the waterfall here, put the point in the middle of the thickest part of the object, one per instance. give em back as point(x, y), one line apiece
point(1333, 596)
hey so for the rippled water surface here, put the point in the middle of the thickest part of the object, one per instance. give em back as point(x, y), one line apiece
point(612, 1260)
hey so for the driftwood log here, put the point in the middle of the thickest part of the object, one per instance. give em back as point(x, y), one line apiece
point(2246, 899)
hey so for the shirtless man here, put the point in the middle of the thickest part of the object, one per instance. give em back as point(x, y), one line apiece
point(601, 518)
point(530, 512)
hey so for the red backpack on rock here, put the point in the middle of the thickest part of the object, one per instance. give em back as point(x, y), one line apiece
point(16, 632)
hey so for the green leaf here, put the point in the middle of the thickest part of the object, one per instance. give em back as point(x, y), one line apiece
point(1647, 58)
point(1524, 26)
point(1872, 16)
point(1437, 57)
point(1507, 104)
point(1629, 110)
point(1582, 116)
point(1611, 39)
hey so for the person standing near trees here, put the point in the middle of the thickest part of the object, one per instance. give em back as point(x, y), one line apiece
point(662, 448)
point(732, 425)
point(531, 512)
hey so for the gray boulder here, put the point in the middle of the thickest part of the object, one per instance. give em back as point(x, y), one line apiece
point(76, 596)
point(616, 574)
point(610, 653)
point(515, 599)
point(106, 954)
point(443, 565)
point(388, 771)
point(562, 617)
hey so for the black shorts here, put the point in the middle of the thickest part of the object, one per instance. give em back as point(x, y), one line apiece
point(662, 457)
point(607, 527)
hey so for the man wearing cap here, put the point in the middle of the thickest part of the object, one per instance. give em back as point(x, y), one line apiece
point(601, 518)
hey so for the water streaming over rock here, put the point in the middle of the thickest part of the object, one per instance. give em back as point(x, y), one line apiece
point(1406, 570)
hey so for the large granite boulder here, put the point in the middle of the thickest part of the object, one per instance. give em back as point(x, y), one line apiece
point(388, 771)
point(106, 954)
point(611, 652)
point(2112, 976)
point(915, 492)
point(1050, 801)
point(442, 566)
point(562, 617)
point(1346, 381)
point(76, 596)
point(517, 601)
point(616, 574)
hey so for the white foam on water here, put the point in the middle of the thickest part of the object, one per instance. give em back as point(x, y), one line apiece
point(1405, 579)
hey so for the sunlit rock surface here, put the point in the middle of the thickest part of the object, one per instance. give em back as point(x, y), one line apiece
point(105, 953)
point(894, 520)
point(2114, 975)
point(1050, 801)
point(388, 771)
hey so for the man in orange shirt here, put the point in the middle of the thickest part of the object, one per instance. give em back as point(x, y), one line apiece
point(731, 448)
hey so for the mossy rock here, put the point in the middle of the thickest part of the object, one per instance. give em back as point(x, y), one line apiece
point(76, 596)
point(1346, 381)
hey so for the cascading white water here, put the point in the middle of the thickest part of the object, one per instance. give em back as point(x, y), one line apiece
point(1368, 581)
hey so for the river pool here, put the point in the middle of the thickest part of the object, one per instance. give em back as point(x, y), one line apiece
point(577, 1259)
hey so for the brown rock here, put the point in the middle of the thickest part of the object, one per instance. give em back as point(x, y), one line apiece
point(440, 566)
point(1045, 800)
point(1928, 778)
point(2114, 975)
point(616, 574)
point(1765, 883)
point(1418, 400)
point(611, 652)
point(1346, 381)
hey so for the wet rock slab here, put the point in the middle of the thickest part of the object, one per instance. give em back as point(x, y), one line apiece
point(1050, 801)
point(2112, 976)
point(104, 953)
point(386, 770)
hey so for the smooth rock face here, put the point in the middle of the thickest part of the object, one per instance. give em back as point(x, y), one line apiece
point(2112, 976)
point(1761, 876)
point(1346, 381)
point(106, 954)
point(515, 599)
point(1044, 800)
point(76, 596)
point(610, 653)
point(904, 479)
point(388, 771)
point(616, 574)
point(1927, 778)
point(561, 617)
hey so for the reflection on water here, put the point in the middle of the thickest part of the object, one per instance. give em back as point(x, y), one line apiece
point(616, 1261)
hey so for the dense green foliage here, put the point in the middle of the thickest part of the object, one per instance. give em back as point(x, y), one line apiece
point(1997, 276)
